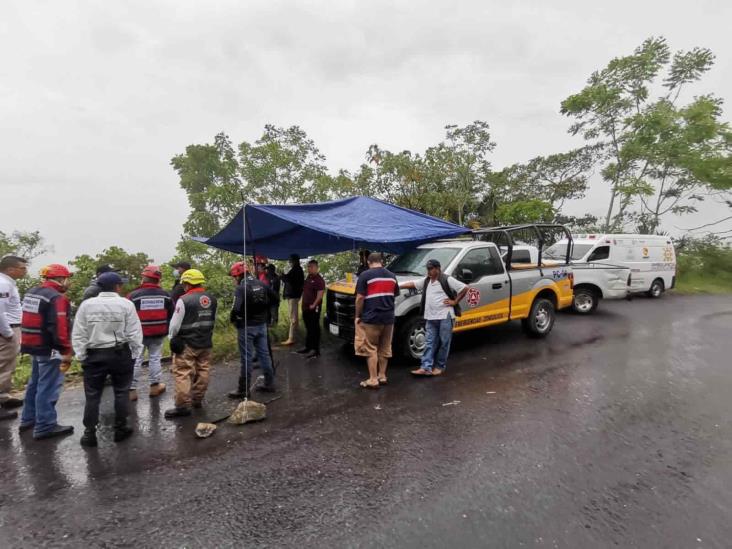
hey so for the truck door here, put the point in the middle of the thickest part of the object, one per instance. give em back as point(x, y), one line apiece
point(487, 301)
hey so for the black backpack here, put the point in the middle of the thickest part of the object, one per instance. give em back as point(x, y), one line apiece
point(257, 294)
point(445, 288)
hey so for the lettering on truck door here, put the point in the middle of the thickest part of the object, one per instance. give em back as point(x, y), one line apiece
point(487, 300)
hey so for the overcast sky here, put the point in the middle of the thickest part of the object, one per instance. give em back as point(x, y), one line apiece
point(96, 97)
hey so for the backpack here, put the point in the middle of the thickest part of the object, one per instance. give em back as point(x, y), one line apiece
point(257, 297)
point(445, 288)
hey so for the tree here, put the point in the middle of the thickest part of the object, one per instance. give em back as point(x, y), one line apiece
point(28, 245)
point(129, 266)
point(659, 157)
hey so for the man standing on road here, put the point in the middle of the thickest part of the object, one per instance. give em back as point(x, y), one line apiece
point(107, 339)
point(45, 331)
point(274, 304)
point(93, 289)
point(155, 309)
point(12, 268)
point(312, 300)
point(252, 300)
point(191, 340)
point(294, 281)
point(375, 291)
point(441, 296)
point(178, 290)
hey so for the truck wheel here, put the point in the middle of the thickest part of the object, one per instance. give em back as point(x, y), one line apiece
point(541, 318)
point(585, 301)
point(412, 338)
point(657, 288)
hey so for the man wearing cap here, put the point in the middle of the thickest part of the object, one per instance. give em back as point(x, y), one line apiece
point(178, 290)
point(45, 331)
point(107, 339)
point(12, 268)
point(154, 308)
point(93, 289)
point(441, 296)
point(293, 280)
point(191, 340)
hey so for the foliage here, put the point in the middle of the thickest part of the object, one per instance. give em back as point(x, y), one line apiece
point(658, 157)
point(703, 265)
point(28, 245)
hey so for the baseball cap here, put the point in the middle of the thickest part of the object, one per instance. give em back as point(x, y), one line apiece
point(181, 265)
point(433, 263)
point(107, 281)
point(105, 269)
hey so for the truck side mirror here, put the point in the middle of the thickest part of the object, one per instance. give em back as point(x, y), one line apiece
point(466, 275)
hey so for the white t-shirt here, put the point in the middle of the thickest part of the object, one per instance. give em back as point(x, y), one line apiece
point(10, 309)
point(434, 308)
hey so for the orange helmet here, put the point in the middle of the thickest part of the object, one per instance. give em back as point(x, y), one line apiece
point(55, 270)
point(152, 271)
point(260, 260)
point(238, 269)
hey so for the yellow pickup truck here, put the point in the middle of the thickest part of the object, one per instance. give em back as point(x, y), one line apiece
point(500, 290)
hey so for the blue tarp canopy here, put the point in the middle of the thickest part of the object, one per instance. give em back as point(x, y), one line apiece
point(350, 224)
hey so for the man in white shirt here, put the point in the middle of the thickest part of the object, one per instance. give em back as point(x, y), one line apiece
point(107, 338)
point(441, 296)
point(12, 268)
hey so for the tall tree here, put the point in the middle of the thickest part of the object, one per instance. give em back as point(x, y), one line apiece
point(659, 157)
point(28, 245)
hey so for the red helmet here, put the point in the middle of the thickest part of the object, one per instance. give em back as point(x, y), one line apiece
point(55, 270)
point(152, 271)
point(238, 269)
point(260, 260)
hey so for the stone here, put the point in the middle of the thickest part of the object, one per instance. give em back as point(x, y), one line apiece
point(248, 411)
point(204, 430)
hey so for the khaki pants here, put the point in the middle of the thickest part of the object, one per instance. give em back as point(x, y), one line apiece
point(190, 370)
point(374, 342)
point(9, 349)
point(293, 308)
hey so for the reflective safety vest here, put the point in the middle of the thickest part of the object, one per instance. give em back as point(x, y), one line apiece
point(197, 327)
point(154, 308)
point(46, 322)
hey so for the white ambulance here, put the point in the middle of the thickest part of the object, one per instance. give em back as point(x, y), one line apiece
point(650, 258)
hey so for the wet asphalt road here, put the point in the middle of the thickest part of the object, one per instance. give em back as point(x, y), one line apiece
point(614, 431)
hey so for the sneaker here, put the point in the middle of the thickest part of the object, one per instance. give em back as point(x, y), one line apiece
point(133, 395)
point(239, 395)
point(122, 432)
point(4, 414)
point(56, 431)
point(12, 403)
point(157, 389)
point(177, 412)
point(314, 354)
point(89, 439)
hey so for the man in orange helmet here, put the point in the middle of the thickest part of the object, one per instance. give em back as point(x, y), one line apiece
point(155, 309)
point(46, 336)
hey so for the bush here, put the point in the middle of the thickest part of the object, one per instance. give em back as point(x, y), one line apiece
point(703, 265)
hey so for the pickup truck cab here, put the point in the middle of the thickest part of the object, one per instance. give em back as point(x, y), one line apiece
point(592, 281)
point(498, 292)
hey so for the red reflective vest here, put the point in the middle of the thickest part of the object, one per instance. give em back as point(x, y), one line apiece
point(154, 308)
point(46, 322)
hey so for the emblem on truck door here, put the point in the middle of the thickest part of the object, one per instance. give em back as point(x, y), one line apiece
point(473, 297)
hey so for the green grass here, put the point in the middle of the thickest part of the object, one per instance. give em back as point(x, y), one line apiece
point(694, 283)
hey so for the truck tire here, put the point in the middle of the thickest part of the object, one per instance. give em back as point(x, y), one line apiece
point(411, 338)
point(657, 288)
point(541, 318)
point(585, 301)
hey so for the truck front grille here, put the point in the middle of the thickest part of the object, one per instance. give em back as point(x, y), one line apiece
point(341, 309)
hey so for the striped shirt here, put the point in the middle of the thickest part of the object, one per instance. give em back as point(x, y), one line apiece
point(378, 286)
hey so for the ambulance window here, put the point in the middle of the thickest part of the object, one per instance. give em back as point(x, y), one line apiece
point(602, 252)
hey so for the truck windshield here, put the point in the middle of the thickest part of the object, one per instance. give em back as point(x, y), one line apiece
point(559, 251)
point(415, 262)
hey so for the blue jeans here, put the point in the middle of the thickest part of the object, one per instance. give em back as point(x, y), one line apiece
point(42, 393)
point(254, 339)
point(437, 347)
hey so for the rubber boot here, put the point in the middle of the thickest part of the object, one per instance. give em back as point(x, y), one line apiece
point(89, 438)
point(242, 390)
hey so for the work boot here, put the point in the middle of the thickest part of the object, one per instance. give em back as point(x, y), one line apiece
point(121, 431)
point(12, 403)
point(89, 438)
point(266, 388)
point(197, 404)
point(182, 411)
point(55, 431)
point(133, 395)
point(157, 389)
point(241, 391)
point(4, 414)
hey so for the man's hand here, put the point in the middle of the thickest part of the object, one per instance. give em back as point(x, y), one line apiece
point(358, 320)
point(450, 302)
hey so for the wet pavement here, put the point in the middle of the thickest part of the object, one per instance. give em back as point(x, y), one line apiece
point(614, 431)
